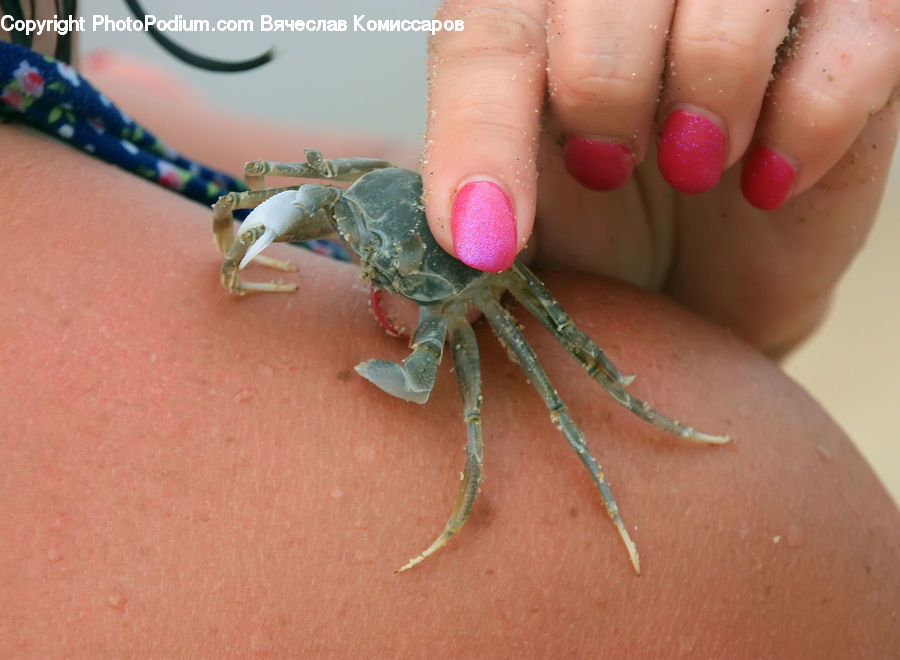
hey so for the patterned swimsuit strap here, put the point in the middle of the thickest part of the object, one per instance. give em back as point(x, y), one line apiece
point(54, 98)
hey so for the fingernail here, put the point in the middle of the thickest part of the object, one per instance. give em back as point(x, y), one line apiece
point(598, 164)
point(691, 153)
point(484, 227)
point(767, 179)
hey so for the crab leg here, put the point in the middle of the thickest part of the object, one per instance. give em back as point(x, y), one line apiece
point(315, 167)
point(412, 380)
point(504, 326)
point(529, 291)
point(468, 375)
point(535, 297)
point(643, 410)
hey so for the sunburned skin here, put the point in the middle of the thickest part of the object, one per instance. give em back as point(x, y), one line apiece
point(189, 474)
point(186, 472)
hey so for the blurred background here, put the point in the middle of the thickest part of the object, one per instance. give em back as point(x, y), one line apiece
point(374, 84)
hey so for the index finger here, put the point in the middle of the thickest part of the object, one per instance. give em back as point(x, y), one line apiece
point(486, 87)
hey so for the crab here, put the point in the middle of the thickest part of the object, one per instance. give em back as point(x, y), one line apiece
point(381, 218)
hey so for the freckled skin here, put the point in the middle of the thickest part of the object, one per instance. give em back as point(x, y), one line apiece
point(147, 513)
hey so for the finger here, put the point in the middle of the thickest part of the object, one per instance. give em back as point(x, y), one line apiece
point(769, 276)
point(720, 57)
point(841, 68)
point(605, 60)
point(487, 83)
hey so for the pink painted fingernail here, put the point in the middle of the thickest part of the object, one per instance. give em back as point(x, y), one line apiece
point(691, 153)
point(767, 179)
point(598, 164)
point(484, 227)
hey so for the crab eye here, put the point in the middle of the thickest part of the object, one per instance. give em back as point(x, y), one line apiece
point(410, 252)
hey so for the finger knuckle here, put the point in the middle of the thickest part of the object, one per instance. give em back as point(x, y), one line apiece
point(489, 30)
point(491, 118)
point(740, 55)
point(825, 114)
point(585, 82)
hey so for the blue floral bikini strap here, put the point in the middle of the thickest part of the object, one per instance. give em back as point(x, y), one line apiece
point(53, 97)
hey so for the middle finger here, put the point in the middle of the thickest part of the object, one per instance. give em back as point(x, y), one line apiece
point(720, 59)
point(605, 61)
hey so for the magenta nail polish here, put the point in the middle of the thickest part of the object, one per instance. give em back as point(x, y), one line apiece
point(484, 227)
point(598, 164)
point(691, 153)
point(767, 179)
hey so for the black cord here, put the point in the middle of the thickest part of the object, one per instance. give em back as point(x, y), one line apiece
point(194, 59)
point(14, 9)
point(63, 50)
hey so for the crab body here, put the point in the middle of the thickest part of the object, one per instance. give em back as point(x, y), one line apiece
point(381, 218)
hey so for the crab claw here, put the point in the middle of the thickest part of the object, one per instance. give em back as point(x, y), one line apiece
point(276, 216)
point(268, 237)
point(411, 381)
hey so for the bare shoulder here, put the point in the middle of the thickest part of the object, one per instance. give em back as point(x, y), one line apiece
point(189, 472)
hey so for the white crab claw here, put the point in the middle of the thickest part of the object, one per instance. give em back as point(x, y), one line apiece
point(395, 380)
point(277, 214)
point(264, 241)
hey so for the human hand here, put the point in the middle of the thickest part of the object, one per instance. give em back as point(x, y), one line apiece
point(802, 127)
